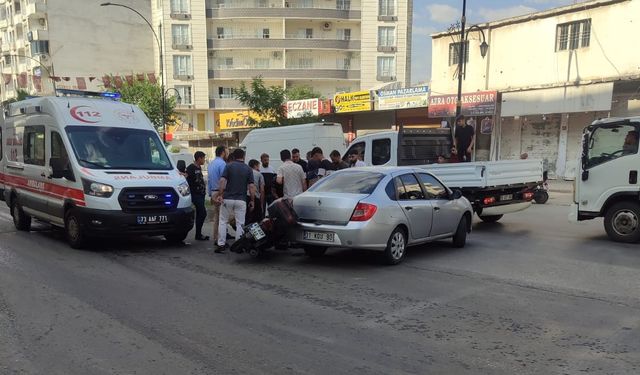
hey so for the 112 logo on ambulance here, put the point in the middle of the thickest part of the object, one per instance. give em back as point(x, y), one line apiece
point(86, 114)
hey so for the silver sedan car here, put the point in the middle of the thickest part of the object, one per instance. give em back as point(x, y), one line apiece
point(380, 208)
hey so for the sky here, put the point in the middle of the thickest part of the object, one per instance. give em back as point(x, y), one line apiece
point(431, 16)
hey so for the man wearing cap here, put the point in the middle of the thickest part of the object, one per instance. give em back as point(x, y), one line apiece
point(465, 139)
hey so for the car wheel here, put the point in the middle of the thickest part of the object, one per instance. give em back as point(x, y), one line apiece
point(73, 230)
point(491, 218)
point(176, 238)
point(396, 247)
point(315, 251)
point(460, 237)
point(541, 197)
point(622, 222)
point(21, 220)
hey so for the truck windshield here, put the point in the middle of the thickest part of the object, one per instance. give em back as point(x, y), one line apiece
point(611, 142)
point(118, 148)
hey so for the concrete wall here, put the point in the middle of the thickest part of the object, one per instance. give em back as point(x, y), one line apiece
point(89, 40)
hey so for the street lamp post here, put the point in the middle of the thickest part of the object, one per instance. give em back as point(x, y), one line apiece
point(160, 52)
point(484, 48)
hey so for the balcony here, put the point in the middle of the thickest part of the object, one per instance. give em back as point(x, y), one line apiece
point(289, 73)
point(293, 42)
point(35, 8)
point(4, 23)
point(5, 47)
point(249, 10)
point(227, 103)
point(38, 34)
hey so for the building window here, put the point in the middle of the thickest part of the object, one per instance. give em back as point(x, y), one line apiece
point(39, 47)
point(181, 35)
point(343, 4)
point(344, 34)
point(573, 35)
point(343, 89)
point(226, 92)
point(308, 33)
point(180, 6)
point(225, 63)
point(344, 63)
point(262, 4)
point(305, 63)
point(261, 63)
point(454, 53)
point(182, 66)
point(265, 33)
point(387, 7)
point(33, 148)
point(386, 66)
point(185, 95)
point(386, 36)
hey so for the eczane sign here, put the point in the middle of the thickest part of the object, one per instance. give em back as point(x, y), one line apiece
point(307, 107)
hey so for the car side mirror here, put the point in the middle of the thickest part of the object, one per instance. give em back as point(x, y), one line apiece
point(60, 169)
point(181, 166)
point(585, 175)
point(457, 194)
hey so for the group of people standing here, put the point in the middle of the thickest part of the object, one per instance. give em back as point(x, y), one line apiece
point(240, 191)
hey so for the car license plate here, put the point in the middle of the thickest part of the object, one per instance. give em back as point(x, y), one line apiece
point(506, 197)
point(256, 231)
point(319, 236)
point(152, 219)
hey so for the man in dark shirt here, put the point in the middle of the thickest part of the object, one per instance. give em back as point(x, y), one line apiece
point(465, 137)
point(318, 166)
point(232, 195)
point(198, 188)
point(295, 157)
point(336, 161)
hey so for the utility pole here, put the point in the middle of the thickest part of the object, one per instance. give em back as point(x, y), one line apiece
point(461, 57)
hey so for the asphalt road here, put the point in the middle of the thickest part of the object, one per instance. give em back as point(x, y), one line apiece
point(533, 294)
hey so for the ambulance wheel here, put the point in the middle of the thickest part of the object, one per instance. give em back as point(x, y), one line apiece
point(21, 220)
point(73, 230)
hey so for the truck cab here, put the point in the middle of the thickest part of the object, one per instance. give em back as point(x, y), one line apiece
point(607, 182)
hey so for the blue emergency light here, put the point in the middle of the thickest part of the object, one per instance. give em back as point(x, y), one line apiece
point(89, 94)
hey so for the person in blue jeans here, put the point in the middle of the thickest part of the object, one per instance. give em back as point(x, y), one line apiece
point(198, 188)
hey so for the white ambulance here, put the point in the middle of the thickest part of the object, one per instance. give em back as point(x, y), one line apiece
point(92, 165)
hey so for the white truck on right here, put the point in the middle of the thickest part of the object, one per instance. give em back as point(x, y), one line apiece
point(607, 179)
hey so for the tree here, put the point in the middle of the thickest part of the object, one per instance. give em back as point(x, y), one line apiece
point(302, 92)
point(148, 96)
point(268, 103)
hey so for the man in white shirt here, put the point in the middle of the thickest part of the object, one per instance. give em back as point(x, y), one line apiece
point(291, 176)
point(355, 161)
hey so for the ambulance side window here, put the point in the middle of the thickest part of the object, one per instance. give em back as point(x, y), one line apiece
point(57, 147)
point(34, 145)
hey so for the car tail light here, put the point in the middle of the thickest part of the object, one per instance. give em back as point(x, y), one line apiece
point(527, 195)
point(363, 212)
point(489, 200)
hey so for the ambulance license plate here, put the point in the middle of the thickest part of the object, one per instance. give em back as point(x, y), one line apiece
point(152, 219)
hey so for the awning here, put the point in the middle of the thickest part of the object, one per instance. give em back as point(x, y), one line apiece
point(586, 98)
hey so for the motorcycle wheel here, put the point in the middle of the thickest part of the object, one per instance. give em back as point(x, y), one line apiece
point(541, 197)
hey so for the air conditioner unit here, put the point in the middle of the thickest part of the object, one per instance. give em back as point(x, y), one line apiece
point(327, 26)
point(42, 21)
point(276, 55)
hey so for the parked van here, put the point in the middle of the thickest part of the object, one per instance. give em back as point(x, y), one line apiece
point(328, 136)
point(92, 166)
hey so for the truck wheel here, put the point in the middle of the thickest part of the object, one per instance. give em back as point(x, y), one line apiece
point(396, 247)
point(541, 197)
point(491, 218)
point(73, 230)
point(176, 238)
point(622, 222)
point(460, 237)
point(314, 251)
point(21, 220)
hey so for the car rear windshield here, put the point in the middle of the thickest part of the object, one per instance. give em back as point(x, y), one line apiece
point(349, 182)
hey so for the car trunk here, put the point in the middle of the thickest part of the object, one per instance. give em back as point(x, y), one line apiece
point(326, 208)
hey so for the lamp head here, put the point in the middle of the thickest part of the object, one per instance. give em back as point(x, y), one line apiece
point(484, 47)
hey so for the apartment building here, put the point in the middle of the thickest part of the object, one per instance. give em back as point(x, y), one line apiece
point(74, 42)
point(212, 46)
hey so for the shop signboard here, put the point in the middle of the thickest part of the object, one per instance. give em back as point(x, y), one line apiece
point(307, 107)
point(481, 103)
point(411, 97)
point(237, 121)
point(352, 102)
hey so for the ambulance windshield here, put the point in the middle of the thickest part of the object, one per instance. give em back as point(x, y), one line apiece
point(118, 148)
